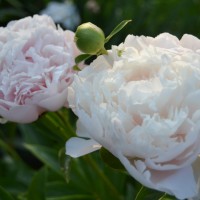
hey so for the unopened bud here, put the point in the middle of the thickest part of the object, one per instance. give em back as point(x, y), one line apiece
point(90, 38)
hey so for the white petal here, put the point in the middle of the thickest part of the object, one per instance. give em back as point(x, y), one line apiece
point(180, 183)
point(190, 41)
point(81, 130)
point(76, 147)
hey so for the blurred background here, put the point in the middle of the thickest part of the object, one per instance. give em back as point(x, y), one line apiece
point(150, 17)
point(32, 160)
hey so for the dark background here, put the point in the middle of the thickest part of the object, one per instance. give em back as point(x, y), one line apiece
point(150, 17)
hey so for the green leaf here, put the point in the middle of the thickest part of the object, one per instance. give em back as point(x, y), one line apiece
point(47, 155)
point(141, 193)
point(82, 57)
point(167, 197)
point(73, 197)
point(76, 68)
point(145, 194)
point(103, 177)
point(37, 187)
point(36, 133)
point(15, 175)
point(4, 195)
point(111, 160)
point(50, 129)
point(118, 28)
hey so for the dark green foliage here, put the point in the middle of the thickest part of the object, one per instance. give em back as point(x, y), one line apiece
point(16, 9)
point(150, 17)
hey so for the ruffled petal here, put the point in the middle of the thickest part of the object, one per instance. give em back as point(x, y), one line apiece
point(53, 103)
point(180, 183)
point(190, 41)
point(21, 114)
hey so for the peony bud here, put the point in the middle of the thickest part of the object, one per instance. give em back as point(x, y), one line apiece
point(90, 39)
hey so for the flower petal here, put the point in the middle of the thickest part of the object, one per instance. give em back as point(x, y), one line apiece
point(54, 103)
point(190, 41)
point(173, 182)
point(76, 147)
point(21, 114)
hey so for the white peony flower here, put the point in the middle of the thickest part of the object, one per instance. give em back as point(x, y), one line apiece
point(65, 13)
point(36, 61)
point(141, 102)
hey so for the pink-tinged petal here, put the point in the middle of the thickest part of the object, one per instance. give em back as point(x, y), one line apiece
point(166, 40)
point(54, 103)
point(173, 182)
point(30, 23)
point(21, 114)
point(190, 42)
point(76, 147)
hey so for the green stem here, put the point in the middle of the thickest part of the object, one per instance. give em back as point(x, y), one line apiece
point(102, 175)
point(102, 51)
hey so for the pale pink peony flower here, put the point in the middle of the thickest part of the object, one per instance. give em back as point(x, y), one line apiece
point(36, 60)
point(142, 103)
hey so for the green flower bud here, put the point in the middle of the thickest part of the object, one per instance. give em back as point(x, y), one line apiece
point(90, 39)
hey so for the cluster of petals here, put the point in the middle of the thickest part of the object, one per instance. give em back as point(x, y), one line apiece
point(142, 103)
point(36, 67)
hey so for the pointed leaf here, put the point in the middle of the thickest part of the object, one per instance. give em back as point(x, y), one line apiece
point(76, 68)
point(4, 195)
point(82, 57)
point(37, 187)
point(118, 28)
